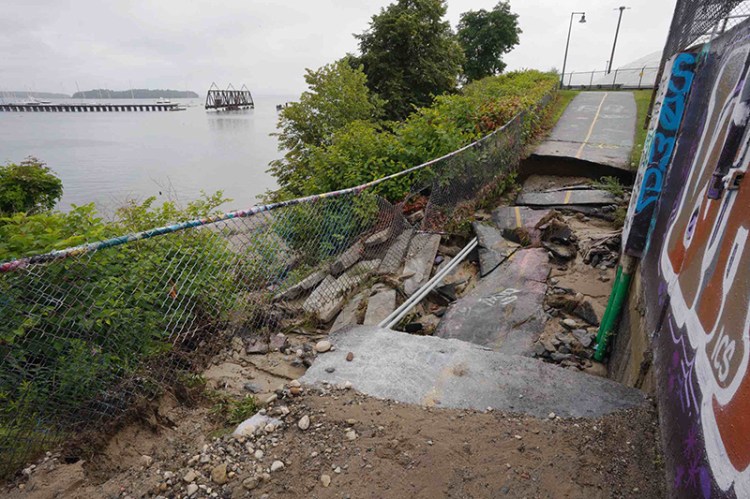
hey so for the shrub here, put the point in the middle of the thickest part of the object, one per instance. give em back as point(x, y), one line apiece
point(28, 187)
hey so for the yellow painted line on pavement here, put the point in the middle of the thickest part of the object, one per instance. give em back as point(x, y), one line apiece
point(591, 129)
point(518, 217)
point(567, 197)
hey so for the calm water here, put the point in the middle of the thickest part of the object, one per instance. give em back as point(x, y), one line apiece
point(108, 158)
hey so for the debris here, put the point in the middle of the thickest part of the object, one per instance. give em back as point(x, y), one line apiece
point(349, 357)
point(585, 311)
point(325, 480)
point(322, 346)
point(251, 425)
point(276, 466)
point(304, 422)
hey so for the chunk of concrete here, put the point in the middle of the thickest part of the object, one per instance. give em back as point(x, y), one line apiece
point(348, 315)
point(518, 223)
point(433, 371)
point(504, 311)
point(302, 287)
point(419, 261)
point(494, 249)
point(379, 238)
point(380, 305)
point(328, 298)
point(394, 257)
point(348, 258)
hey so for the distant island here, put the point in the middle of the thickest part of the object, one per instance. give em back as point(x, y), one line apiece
point(136, 93)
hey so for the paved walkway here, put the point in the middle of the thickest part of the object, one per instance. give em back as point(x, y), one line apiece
point(598, 127)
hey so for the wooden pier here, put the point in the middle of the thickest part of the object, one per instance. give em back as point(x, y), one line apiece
point(88, 108)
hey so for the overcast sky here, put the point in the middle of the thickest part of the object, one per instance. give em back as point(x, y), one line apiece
point(49, 45)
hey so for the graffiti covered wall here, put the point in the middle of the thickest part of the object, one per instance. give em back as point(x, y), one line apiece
point(696, 270)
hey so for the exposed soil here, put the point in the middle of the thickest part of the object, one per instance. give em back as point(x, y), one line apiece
point(399, 451)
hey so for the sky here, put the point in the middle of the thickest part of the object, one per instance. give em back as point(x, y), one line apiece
point(62, 45)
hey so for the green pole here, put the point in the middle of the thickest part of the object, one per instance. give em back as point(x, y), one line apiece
point(614, 306)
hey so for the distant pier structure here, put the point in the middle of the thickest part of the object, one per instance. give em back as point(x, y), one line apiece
point(87, 108)
point(229, 99)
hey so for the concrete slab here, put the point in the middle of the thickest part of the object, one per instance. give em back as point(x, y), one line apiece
point(436, 372)
point(394, 257)
point(348, 315)
point(419, 261)
point(575, 197)
point(504, 311)
point(510, 218)
point(328, 298)
point(598, 127)
point(494, 249)
point(380, 305)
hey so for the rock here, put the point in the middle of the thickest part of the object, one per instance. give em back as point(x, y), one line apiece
point(251, 425)
point(419, 261)
point(349, 357)
point(395, 255)
point(347, 259)
point(583, 337)
point(329, 370)
point(596, 369)
point(301, 287)
point(219, 474)
point(258, 454)
point(192, 489)
point(380, 305)
point(252, 388)
point(569, 323)
point(561, 251)
point(238, 344)
point(190, 476)
point(147, 461)
point(325, 480)
point(548, 345)
point(539, 349)
point(559, 357)
point(379, 238)
point(250, 483)
point(351, 435)
point(322, 346)
point(278, 342)
point(565, 302)
point(415, 217)
point(552, 415)
point(304, 422)
point(257, 346)
point(276, 466)
point(585, 311)
point(294, 383)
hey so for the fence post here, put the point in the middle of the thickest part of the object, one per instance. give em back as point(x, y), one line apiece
point(591, 82)
point(614, 80)
point(570, 78)
point(640, 80)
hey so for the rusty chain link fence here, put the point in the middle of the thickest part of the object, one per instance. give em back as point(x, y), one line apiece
point(87, 332)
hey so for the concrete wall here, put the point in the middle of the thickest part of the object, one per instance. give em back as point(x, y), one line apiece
point(695, 268)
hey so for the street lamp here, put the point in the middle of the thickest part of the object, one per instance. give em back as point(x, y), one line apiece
point(617, 31)
point(567, 44)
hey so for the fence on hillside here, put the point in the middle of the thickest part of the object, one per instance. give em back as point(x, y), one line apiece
point(625, 79)
point(88, 331)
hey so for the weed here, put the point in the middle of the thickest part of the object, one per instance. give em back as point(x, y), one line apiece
point(611, 185)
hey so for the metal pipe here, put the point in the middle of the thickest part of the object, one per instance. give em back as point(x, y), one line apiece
point(414, 299)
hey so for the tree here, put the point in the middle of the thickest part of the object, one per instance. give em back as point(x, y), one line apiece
point(29, 187)
point(337, 95)
point(485, 37)
point(410, 54)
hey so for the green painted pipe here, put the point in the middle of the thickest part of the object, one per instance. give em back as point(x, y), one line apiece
point(614, 306)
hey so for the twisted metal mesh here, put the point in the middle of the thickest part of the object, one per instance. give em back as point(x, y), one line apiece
point(85, 334)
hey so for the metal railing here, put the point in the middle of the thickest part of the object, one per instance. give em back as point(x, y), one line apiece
point(624, 78)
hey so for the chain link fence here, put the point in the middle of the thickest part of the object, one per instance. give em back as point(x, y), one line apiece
point(88, 332)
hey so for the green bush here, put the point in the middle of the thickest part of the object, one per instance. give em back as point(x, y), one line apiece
point(29, 187)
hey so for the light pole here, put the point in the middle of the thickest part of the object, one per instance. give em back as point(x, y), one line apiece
point(617, 31)
point(567, 44)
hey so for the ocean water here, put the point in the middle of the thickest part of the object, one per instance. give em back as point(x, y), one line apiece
point(109, 158)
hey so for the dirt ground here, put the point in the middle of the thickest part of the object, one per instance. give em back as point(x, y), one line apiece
point(398, 451)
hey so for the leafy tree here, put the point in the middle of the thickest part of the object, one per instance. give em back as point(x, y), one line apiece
point(485, 37)
point(337, 96)
point(410, 55)
point(28, 187)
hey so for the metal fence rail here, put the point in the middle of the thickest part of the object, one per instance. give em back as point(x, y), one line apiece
point(625, 79)
point(88, 331)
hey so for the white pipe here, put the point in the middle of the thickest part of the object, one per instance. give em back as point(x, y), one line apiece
point(414, 299)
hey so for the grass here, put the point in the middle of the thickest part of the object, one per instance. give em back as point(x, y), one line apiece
point(642, 100)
